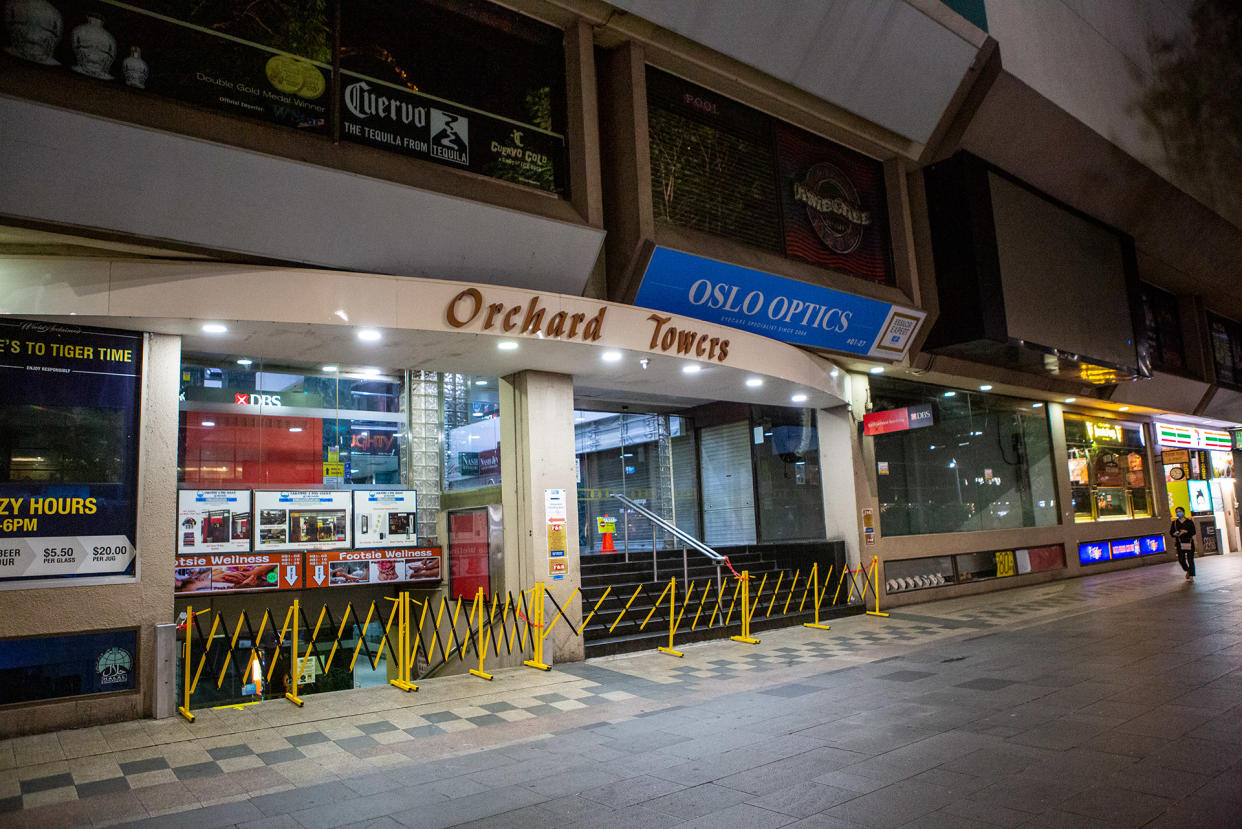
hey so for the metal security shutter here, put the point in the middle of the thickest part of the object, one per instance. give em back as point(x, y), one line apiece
point(728, 489)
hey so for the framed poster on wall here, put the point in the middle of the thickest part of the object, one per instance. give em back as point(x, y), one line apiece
point(385, 518)
point(213, 521)
point(69, 419)
point(302, 520)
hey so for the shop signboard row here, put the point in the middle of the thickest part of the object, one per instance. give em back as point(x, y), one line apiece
point(898, 420)
point(1190, 437)
point(776, 307)
point(245, 572)
point(69, 415)
point(239, 520)
point(1097, 552)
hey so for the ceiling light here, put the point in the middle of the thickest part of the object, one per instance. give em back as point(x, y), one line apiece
point(1036, 405)
point(208, 423)
point(691, 368)
point(480, 382)
point(1124, 409)
point(985, 387)
point(245, 361)
point(215, 328)
point(753, 382)
point(295, 428)
point(369, 335)
point(798, 398)
point(331, 369)
point(950, 394)
point(1070, 399)
point(371, 372)
point(833, 374)
point(507, 345)
point(611, 356)
point(876, 370)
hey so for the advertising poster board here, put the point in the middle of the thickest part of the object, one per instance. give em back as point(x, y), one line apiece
point(1200, 497)
point(236, 573)
point(68, 509)
point(213, 521)
point(385, 518)
point(70, 665)
point(350, 568)
point(302, 520)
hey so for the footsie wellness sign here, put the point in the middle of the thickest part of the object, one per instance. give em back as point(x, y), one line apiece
point(69, 435)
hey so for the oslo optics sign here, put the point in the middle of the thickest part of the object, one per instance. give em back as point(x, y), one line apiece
point(773, 306)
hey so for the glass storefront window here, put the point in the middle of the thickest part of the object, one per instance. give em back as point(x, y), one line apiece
point(785, 448)
point(472, 431)
point(257, 424)
point(985, 463)
point(1107, 463)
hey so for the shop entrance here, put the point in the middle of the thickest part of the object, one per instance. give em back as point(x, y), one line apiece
point(648, 457)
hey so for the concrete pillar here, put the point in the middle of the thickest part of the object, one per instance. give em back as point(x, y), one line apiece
point(537, 455)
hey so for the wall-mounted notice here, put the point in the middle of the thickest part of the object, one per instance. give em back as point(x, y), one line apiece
point(69, 421)
point(302, 520)
point(213, 521)
point(355, 567)
point(232, 573)
point(385, 518)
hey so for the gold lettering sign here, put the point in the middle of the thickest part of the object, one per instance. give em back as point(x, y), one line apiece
point(532, 318)
point(1105, 431)
point(686, 341)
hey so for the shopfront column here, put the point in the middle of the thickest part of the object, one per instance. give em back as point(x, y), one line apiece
point(539, 496)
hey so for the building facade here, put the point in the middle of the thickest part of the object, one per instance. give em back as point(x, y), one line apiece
point(404, 295)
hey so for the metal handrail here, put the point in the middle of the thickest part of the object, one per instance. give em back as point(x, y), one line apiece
point(676, 532)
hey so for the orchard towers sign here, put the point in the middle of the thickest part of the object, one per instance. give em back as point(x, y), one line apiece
point(469, 307)
point(773, 306)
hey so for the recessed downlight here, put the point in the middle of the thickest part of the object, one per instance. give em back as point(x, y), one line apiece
point(208, 423)
point(611, 356)
point(507, 345)
point(691, 368)
point(950, 394)
point(215, 328)
point(369, 335)
point(1123, 409)
point(985, 387)
point(480, 382)
point(1070, 399)
point(799, 398)
point(834, 374)
point(876, 370)
point(295, 428)
point(754, 382)
point(371, 372)
point(1037, 405)
point(245, 361)
point(331, 369)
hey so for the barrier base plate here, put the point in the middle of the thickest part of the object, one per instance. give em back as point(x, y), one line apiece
point(533, 664)
point(876, 613)
point(671, 652)
point(298, 701)
point(816, 626)
point(185, 712)
point(481, 674)
point(750, 640)
point(403, 685)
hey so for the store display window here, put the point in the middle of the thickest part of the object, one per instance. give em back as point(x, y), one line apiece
point(246, 423)
point(1107, 463)
point(938, 571)
point(472, 431)
point(965, 461)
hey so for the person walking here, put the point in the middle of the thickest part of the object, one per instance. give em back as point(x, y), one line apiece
point(1183, 531)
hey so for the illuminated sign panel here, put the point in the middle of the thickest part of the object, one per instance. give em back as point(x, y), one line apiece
point(1190, 437)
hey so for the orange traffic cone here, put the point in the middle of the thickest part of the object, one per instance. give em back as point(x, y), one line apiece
point(607, 546)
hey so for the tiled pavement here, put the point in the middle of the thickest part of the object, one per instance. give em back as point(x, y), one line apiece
point(1110, 700)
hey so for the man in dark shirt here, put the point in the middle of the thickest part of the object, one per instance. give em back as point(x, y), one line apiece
point(1183, 531)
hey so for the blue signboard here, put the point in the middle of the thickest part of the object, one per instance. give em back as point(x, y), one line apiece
point(1124, 548)
point(1151, 544)
point(68, 496)
point(1093, 553)
point(776, 307)
point(47, 667)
